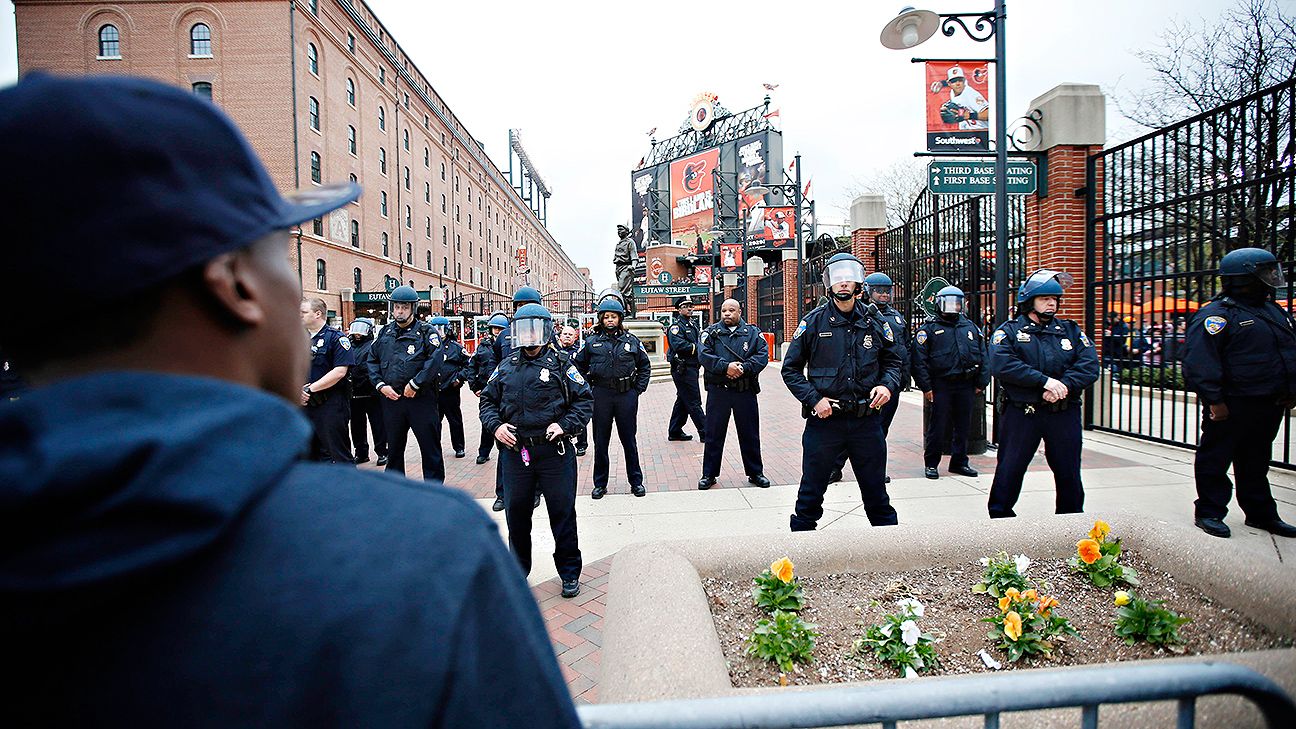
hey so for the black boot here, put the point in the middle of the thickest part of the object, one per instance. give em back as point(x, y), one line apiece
point(1213, 527)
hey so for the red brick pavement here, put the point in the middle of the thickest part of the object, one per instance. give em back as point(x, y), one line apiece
point(676, 466)
point(576, 628)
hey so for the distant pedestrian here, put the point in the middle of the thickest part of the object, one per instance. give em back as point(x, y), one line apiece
point(733, 353)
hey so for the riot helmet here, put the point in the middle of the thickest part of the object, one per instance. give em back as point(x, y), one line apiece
point(1251, 264)
point(441, 325)
point(841, 268)
point(949, 303)
point(532, 327)
point(878, 283)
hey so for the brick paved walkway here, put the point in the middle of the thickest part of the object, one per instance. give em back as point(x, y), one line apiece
point(676, 466)
point(576, 628)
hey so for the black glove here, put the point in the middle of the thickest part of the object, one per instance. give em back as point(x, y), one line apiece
point(950, 113)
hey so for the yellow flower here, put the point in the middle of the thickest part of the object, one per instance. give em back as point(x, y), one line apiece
point(1122, 598)
point(1003, 604)
point(1100, 530)
point(1012, 625)
point(1030, 595)
point(1013, 594)
point(1088, 551)
point(1047, 603)
point(782, 569)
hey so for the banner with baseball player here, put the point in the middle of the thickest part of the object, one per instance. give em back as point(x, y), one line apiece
point(693, 199)
point(731, 257)
point(958, 106)
point(771, 228)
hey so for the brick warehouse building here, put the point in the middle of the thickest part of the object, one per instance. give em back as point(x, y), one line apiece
point(345, 102)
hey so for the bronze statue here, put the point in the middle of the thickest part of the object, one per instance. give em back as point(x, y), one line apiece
point(624, 259)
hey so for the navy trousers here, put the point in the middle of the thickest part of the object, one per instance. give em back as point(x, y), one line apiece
point(721, 404)
point(622, 408)
point(329, 442)
point(824, 442)
point(367, 408)
point(552, 472)
point(448, 403)
point(1244, 440)
point(951, 408)
point(688, 401)
point(1019, 437)
point(888, 414)
point(418, 414)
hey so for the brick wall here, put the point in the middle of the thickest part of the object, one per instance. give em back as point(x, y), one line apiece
point(864, 244)
point(1055, 225)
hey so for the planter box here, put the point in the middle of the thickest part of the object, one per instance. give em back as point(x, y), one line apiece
point(660, 641)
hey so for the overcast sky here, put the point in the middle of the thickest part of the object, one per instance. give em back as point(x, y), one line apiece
point(584, 81)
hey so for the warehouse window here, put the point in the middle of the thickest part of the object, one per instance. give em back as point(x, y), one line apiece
point(203, 89)
point(427, 193)
point(427, 157)
point(321, 278)
point(382, 118)
point(351, 139)
point(109, 42)
point(385, 249)
point(351, 92)
point(355, 237)
point(429, 260)
point(382, 204)
point(355, 279)
point(351, 44)
point(200, 43)
point(313, 107)
point(312, 59)
point(316, 174)
point(409, 253)
point(406, 140)
point(382, 160)
point(317, 226)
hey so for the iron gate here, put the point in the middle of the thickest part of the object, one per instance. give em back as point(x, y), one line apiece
point(769, 305)
point(1171, 204)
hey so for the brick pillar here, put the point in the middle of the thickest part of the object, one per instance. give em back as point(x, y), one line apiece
point(792, 294)
point(749, 306)
point(868, 221)
point(346, 312)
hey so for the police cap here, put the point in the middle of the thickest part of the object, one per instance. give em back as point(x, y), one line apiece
point(404, 294)
point(526, 295)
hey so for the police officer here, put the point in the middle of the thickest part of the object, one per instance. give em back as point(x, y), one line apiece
point(617, 367)
point(683, 337)
point(1044, 365)
point(1241, 362)
point(853, 363)
point(732, 354)
point(949, 365)
point(481, 364)
point(403, 365)
point(450, 377)
point(364, 398)
point(502, 348)
point(325, 396)
point(533, 401)
point(569, 343)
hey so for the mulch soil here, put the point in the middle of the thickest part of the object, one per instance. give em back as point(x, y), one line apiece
point(841, 605)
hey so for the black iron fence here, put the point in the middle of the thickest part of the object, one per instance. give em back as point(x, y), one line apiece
point(1170, 204)
point(770, 305)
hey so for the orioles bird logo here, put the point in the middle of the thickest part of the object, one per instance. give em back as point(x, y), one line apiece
point(693, 173)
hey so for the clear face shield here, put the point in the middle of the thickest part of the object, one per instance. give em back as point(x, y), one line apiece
point(440, 329)
point(532, 332)
point(843, 271)
point(949, 304)
point(1043, 275)
point(1270, 274)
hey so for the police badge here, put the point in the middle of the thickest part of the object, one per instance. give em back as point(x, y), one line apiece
point(1066, 344)
point(410, 349)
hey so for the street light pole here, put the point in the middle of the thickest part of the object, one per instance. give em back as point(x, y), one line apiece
point(1001, 168)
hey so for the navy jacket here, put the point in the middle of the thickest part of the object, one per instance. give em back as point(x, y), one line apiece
point(405, 356)
point(532, 393)
point(720, 347)
point(330, 348)
point(844, 356)
point(168, 562)
point(359, 375)
point(900, 329)
point(1237, 349)
point(612, 357)
point(1023, 355)
point(453, 369)
point(682, 335)
point(482, 362)
point(945, 353)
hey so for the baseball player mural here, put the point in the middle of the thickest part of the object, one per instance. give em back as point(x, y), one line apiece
point(958, 109)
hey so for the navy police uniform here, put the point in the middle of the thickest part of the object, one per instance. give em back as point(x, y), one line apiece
point(530, 393)
point(844, 356)
point(582, 438)
point(1242, 354)
point(480, 365)
point(683, 335)
point(453, 372)
point(949, 361)
point(737, 397)
point(329, 410)
point(617, 367)
point(900, 329)
point(365, 406)
point(403, 356)
point(1024, 355)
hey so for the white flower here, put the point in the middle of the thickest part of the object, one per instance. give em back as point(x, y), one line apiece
point(1023, 563)
point(910, 673)
point(886, 630)
point(911, 606)
point(985, 561)
point(909, 632)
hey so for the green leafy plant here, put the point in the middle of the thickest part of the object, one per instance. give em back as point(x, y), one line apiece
point(777, 588)
point(898, 641)
point(1098, 558)
point(1147, 620)
point(1027, 625)
point(1001, 572)
point(784, 639)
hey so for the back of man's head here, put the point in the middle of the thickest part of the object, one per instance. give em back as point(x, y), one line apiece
point(174, 224)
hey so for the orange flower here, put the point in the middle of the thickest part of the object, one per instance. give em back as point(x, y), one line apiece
point(782, 569)
point(1003, 604)
point(1088, 551)
point(1047, 603)
point(1100, 530)
point(1030, 595)
point(1014, 594)
point(1012, 625)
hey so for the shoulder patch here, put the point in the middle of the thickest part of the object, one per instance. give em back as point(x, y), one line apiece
point(921, 336)
point(998, 337)
point(1084, 339)
point(575, 376)
point(675, 329)
point(704, 335)
point(494, 373)
point(800, 329)
point(886, 332)
point(1214, 324)
point(345, 342)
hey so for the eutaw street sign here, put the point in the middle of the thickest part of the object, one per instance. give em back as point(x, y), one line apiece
point(960, 177)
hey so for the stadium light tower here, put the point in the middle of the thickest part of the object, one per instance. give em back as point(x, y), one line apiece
point(912, 27)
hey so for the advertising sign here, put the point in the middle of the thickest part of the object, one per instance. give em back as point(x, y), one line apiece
point(640, 201)
point(772, 228)
point(702, 275)
point(693, 198)
point(731, 257)
point(958, 106)
point(655, 267)
point(753, 169)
